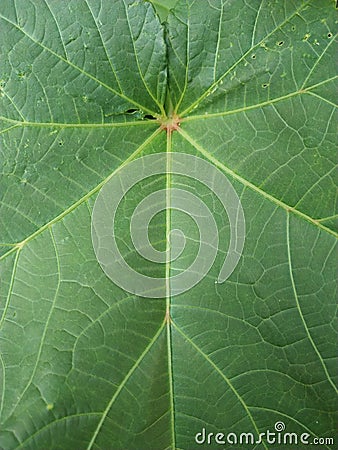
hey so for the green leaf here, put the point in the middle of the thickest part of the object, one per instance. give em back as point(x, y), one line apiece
point(85, 89)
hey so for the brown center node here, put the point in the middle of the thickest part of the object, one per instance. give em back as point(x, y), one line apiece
point(170, 124)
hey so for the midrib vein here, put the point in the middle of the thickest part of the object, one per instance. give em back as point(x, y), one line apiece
point(168, 288)
point(250, 185)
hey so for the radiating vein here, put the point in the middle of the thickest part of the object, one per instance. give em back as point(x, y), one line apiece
point(56, 421)
point(104, 47)
point(84, 198)
point(3, 385)
point(252, 186)
point(57, 26)
point(187, 64)
point(326, 100)
point(335, 216)
point(225, 378)
point(6, 130)
point(77, 125)
point(10, 289)
point(45, 328)
point(318, 61)
point(122, 385)
point(242, 58)
point(14, 105)
point(255, 24)
point(138, 64)
point(288, 417)
point(218, 39)
point(66, 61)
point(299, 307)
point(308, 90)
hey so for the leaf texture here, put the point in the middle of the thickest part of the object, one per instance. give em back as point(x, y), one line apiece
point(88, 87)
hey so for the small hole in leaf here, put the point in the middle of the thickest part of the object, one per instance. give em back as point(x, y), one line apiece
point(61, 143)
point(280, 43)
point(253, 56)
point(265, 85)
point(131, 111)
point(329, 35)
point(293, 28)
point(150, 117)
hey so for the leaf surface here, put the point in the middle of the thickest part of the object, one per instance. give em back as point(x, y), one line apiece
point(87, 88)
